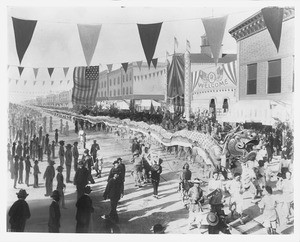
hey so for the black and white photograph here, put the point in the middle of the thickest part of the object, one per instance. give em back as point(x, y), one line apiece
point(132, 117)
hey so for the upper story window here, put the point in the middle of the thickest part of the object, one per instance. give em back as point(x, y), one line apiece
point(251, 78)
point(274, 76)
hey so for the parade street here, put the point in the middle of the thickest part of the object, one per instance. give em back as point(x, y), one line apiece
point(138, 209)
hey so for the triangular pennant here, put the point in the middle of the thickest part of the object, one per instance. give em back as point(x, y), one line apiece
point(89, 35)
point(25, 82)
point(125, 66)
point(154, 62)
point(273, 17)
point(139, 64)
point(214, 29)
point(43, 83)
point(23, 33)
point(68, 81)
point(52, 83)
point(20, 69)
point(35, 71)
point(149, 34)
point(7, 67)
point(157, 73)
point(17, 81)
point(34, 83)
point(161, 72)
point(150, 75)
point(66, 69)
point(50, 71)
point(61, 82)
point(134, 78)
point(109, 67)
point(145, 76)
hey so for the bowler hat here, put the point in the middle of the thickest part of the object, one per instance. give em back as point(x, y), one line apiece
point(68, 146)
point(196, 181)
point(22, 193)
point(158, 228)
point(119, 159)
point(55, 194)
point(51, 162)
point(75, 143)
point(59, 168)
point(116, 162)
point(237, 174)
point(87, 189)
point(86, 151)
point(212, 219)
point(62, 142)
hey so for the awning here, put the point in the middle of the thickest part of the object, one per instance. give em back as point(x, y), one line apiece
point(266, 112)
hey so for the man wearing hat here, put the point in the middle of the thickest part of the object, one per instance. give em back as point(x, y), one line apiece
point(68, 156)
point(88, 161)
point(54, 213)
point(61, 152)
point(137, 168)
point(158, 229)
point(114, 169)
point(56, 136)
point(19, 212)
point(113, 191)
point(75, 155)
point(27, 169)
point(16, 170)
point(60, 185)
point(46, 143)
point(81, 179)
point(196, 197)
point(122, 169)
point(49, 175)
point(84, 210)
point(94, 148)
point(156, 170)
point(53, 149)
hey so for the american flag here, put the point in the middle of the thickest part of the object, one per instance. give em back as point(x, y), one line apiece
point(85, 88)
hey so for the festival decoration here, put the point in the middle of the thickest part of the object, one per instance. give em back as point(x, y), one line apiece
point(20, 70)
point(154, 62)
point(50, 71)
point(35, 71)
point(125, 66)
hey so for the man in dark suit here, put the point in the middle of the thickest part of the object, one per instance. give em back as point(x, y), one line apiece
point(84, 209)
point(113, 191)
point(19, 212)
point(54, 213)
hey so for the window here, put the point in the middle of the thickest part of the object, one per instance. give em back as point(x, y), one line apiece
point(101, 84)
point(118, 80)
point(130, 90)
point(251, 78)
point(123, 90)
point(109, 82)
point(114, 81)
point(123, 78)
point(104, 93)
point(114, 93)
point(118, 92)
point(110, 93)
point(126, 90)
point(105, 84)
point(127, 77)
point(130, 76)
point(274, 77)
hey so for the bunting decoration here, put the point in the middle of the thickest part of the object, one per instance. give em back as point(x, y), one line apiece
point(89, 35)
point(50, 71)
point(214, 29)
point(34, 83)
point(23, 30)
point(25, 82)
point(109, 67)
point(154, 62)
point(43, 83)
point(149, 34)
point(35, 71)
point(176, 77)
point(52, 83)
point(20, 70)
point(139, 64)
point(17, 81)
point(66, 69)
point(85, 88)
point(273, 17)
point(68, 81)
point(61, 82)
point(195, 79)
point(125, 66)
point(230, 70)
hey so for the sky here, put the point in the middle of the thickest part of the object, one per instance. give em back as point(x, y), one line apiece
point(56, 43)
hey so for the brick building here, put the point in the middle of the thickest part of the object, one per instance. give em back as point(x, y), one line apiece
point(265, 76)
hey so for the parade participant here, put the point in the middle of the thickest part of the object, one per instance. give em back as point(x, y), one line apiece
point(287, 188)
point(21, 169)
point(53, 150)
point(236, 191)
point(146, 167)
point(268, 207)
point(156, 170)
point(68, 156)
point(137, 168)
point(61, 153)
point(16, 170)
point(25, 149)
point(81, 179)
point(215, 184)
point(75, 155)
point(46, 143)
point(88, 161)
point(44, 123)
point(19, 149)
point(84, 210)
point(49, 175)
point(94, 148)
point(56, 136)
point(60, 185)
point(36, 172)
point(27, 169)
point(114, 169)
point(48, 152)
point(82, 137)
point(135, 146)
point(113, 191)
point(19, 212)
point(196, 198)
point(54, 213)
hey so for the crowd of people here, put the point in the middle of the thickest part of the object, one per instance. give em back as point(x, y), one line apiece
point(256, 175)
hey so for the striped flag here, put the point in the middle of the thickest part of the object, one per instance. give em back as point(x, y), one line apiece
point(85, 88)
point(175, 44)
point(188, 46)
point(230, 70)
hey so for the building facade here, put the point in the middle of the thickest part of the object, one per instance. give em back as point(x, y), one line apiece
point(266, 77)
